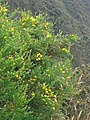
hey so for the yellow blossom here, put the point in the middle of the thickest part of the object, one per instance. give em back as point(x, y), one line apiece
point(47, 90)
point(25, 29)
point(13, 63)
point(65, 49)
point(53, 108)
point(46, 24)
point(33, 94)
point(5, 10)
point(38, 56)
point(10, 57)
point(23, 23)
point(12, 29)
point(43, 86)
point(5, 37)
point(63, 72)
point(38, 59)
point(22, 59)
point(17, 76)
point(23, 19)
point(61, 69)
point(68, 77)
point(35, 76)
point(3, 25)
point(32, 19)
point(33, 25)
point(37, 16)
point(73, 35)
point(66, 69)
point(46, 96)
point(48, 35)
point(7, 21)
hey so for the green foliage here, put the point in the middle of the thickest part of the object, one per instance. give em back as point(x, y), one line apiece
point(36, 77)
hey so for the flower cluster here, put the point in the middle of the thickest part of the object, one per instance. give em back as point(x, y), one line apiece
point(29, 20)
point(47, 91)
point(38, 57)
point(65, 50)
point(48, 35)
point(48, 95)
point(3, 9)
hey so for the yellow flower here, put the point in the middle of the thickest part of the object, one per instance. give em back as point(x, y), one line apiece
point(48, 35)
point(5, 10)
point(10, 57)
point(32, 19)
point(63, 49)
point(46, 96)
point(25, 29)
point(61, 69)
point(53, 108)
point(37, 16)
point(13, 63)
point(23, 23)
point(66, 69)
point(43, 86)
point(7, 21)
point(35, 76)
point(46, 24)
point(68, 77)
point(38, 57)
point(33, 25)
point(5, 37)
point(3, 25)
point(66, 50)
point(12, 29)
point(46, 91)
point(17, 76)
point(33, 94)
point(63, 72)
point(73, 35)
point(53, 105)
point(23, 19)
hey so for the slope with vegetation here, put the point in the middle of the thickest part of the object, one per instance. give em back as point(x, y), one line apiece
point(69, 16)
point(36, 77)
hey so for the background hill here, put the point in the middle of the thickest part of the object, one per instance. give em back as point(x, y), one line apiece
point(69, 16)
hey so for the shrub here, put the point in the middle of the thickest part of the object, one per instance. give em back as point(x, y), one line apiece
point(36, 77)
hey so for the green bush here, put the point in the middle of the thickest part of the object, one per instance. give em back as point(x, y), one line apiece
point(36, 77)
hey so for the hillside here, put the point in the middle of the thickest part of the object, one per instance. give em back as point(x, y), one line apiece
point(69, 16)
point(37, 80)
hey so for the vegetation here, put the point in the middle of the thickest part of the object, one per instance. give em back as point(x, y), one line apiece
point(36, 77)
point(69, 16)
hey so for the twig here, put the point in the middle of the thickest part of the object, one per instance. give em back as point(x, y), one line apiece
point(73, 117)
point(79, 115)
